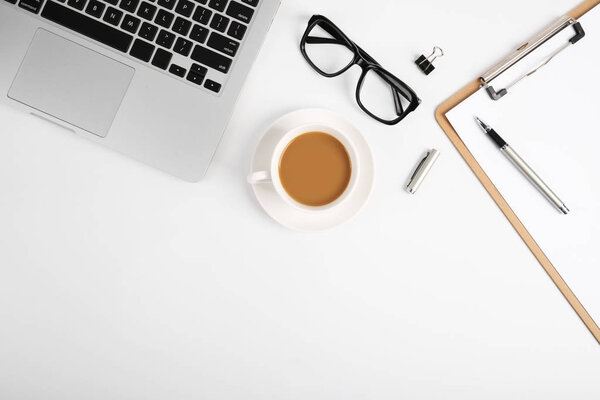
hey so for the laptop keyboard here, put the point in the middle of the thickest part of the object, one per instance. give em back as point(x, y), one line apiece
point(190, 39)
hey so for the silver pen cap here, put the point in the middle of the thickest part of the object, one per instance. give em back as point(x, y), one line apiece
point(422, 170)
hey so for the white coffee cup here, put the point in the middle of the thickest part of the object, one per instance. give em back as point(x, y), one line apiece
point(271, 176)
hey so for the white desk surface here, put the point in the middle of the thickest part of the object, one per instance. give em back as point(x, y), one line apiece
point(120, 282)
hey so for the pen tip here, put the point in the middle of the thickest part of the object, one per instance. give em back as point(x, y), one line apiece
point(482, 124)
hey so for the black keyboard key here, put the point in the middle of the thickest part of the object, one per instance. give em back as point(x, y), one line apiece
point(148, 31)
point(211, 58)
point(165, 39)
point(181, 26)
point(196, 74)
point(201, 1)
point(183, 46)
point(168, 4)
point(195, 78)
point(147, 11)
point(199, 33)
point(142, 50)
point(223, 44)
point(130, 23)
point(236, 30)
point(218, 5)
point(162, 58)
point(129, 5)
point(212, 85)
point(113, 2)
point(198, 69)
point(202, 15)
point(184, 8)
point(239, 11)
point(219, 22)
point(113, 16)
point(12, 1)
point(252, 3)
point(177, 70)
point(164, 18)
point(31, 5)
point(87, 26)
point(78, 4)
point(95, 8)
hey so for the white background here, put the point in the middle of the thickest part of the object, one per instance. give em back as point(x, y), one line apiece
point(120, 282)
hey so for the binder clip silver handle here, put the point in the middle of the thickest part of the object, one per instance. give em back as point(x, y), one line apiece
point(425, 64)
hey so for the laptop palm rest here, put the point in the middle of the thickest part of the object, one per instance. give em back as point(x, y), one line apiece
point(71, 82)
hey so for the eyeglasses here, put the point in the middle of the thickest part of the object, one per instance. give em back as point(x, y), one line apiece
point(378, 93)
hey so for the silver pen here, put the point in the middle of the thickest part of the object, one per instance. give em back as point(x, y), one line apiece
point(422, 170)
point(523, 167)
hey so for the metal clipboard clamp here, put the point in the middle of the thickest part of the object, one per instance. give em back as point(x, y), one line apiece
point(525, 49)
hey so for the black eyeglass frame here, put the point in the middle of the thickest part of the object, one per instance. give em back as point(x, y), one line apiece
point(365, 62)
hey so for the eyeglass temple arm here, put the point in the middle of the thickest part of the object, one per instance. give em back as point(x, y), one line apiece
point(320, 40)
point(397, 102)
point(366, 55)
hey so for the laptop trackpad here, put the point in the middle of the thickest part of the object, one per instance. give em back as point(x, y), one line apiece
point(71, 82)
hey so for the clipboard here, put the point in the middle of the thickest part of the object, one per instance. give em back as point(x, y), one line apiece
point(485, 81)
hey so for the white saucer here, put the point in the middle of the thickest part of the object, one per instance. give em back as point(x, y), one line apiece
point(290, 216)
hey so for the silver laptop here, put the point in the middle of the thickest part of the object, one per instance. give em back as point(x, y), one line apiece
point(156, 80)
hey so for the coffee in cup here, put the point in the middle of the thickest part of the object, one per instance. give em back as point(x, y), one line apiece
point(315, 169)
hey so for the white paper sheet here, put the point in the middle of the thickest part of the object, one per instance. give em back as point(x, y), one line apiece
point(552, 119)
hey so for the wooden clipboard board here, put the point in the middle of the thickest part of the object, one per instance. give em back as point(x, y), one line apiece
point(440, 116)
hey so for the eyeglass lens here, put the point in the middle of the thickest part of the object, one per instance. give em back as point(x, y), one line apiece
point(379, 97)
point(327, 53)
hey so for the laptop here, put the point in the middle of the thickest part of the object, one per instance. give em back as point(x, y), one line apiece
point(156, 80)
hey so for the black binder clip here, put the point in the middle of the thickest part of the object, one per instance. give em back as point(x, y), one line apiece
point(425, 64)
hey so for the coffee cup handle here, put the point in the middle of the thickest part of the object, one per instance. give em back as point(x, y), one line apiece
point(259, 177)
